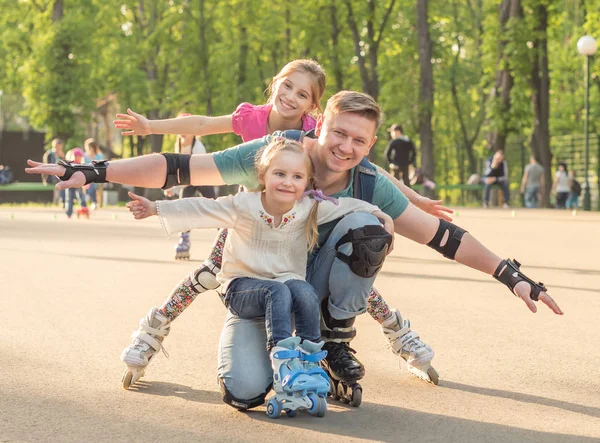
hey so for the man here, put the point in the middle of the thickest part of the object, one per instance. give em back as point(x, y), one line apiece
point(400, 154)
point(343, 269)
point(496, 174)
point(532, 183)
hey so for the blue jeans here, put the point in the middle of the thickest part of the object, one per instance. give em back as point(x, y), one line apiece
point(92, 192)
point(244, 364)
point(488, 187)
point(70, 198)
point(532, 196)
point(250, 298)
point(572, 201)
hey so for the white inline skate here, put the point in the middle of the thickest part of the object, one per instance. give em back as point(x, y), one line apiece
point(147, 341)
point(407, 344)
point(294, 387)
point(183, 246)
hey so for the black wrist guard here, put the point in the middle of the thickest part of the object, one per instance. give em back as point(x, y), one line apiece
point(509, 273)
point(178, 170)
point(94, 172)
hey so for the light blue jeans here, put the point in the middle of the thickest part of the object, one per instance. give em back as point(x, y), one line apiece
point(244, 364)
point(251, 298)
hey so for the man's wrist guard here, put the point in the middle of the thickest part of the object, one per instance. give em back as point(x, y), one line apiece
point(509, 273)
point(455, 235)
point(178, 170)
point(94, 172)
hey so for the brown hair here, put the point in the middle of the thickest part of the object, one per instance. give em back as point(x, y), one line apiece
point(262, 161)
point(92, 145)
point(305, 66)
point(355, 103)
point(56, 142)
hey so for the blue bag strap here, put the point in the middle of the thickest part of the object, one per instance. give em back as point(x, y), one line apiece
point(364, 181)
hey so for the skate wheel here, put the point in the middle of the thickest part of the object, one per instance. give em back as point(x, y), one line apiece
point(433, 375)
point(273, 408)
point(127, 378)
point(291, 413)
point(356, 399)
point(322, 410)
point(314, 404)
point(333, 390)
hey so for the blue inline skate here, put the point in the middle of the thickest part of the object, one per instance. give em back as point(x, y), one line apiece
point(182, 249)
point(297, 381)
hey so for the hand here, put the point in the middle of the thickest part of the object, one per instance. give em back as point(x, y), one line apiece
point(133, 123)
point(388, 225)
point(434, 207)
point(77, 180)
point(141, 207)
point(522, 290)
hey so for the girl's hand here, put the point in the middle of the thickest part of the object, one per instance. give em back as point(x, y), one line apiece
point(77, 180)
point(522, 291)
point(141, 207)
point(434, 207)
point(133, 124)
point(388, 225)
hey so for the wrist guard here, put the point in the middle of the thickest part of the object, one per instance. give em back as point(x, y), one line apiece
point(509, 273)
point(94, 172)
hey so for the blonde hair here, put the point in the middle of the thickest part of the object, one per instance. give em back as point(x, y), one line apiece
point(355, 103)
point(92, 145)
point(262, 161)
point(305, 66)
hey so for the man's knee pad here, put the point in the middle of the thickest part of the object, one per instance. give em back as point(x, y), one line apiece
point(242, 405)
point(204, 278)
point(370, 245)
point(455, 234)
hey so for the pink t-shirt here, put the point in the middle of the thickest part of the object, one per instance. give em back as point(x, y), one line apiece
point(250, 121)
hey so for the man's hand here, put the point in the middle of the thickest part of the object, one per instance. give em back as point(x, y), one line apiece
point(141, 207)
point(77, 180)
point(434, 207)
point(133, 123)
point(522, 290)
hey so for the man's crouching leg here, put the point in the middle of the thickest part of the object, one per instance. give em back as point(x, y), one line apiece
point(244, 374)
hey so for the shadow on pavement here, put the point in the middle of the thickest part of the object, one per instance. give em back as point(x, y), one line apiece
point(175, 390)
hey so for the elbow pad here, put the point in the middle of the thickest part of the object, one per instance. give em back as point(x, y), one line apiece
point(178, 170)
point(454, 238)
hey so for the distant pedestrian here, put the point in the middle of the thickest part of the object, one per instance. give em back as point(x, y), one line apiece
point(496, 173)
point(53, 155)
point(75, 155)
point(561, 186)
point(400, 153)
point(533, 183)
point(574, 192)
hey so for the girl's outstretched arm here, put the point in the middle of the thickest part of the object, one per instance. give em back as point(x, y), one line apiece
point(433, 207)
point(141, 207)
point(133, 123)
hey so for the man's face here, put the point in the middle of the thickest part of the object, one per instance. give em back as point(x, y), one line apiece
point(344, 139)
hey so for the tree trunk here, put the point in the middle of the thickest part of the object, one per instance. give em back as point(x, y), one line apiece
point(425, 91)
point(335, 59)
point(205, 60)
point(540, 97)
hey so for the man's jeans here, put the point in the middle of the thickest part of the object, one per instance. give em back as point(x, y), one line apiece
point(532, 196)
point(244, 364)
point(503, 184)
point(251, 298)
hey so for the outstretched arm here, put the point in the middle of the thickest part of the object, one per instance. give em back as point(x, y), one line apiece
point(421, 227)
point(133, 123)
point(148, 171)
point(433, 207)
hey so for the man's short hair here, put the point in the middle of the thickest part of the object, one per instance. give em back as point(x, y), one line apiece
point(396, 127)
point(356, 103)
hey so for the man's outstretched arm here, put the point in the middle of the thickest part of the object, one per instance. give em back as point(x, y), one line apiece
point(426, 229)
point(148, 171)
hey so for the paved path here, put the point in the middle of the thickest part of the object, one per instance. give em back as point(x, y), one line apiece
point(72, 291)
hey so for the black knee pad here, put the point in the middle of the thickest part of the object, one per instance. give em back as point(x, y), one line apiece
point(242, 405)
point(370, 245)
point(455, 234)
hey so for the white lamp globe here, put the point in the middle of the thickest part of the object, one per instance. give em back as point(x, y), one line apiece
point(587, 45)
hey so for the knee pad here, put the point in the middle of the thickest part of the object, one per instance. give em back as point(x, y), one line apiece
point(370, 245)
point(178, 170)
point(455, 234)
point(242, 405)
point(204, 278)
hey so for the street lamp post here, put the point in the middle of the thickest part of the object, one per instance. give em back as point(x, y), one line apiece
point(587, 46)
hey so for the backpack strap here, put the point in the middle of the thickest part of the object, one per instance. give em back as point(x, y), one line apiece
point(364, 181)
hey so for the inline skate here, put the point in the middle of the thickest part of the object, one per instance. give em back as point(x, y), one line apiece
point(182, 249)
